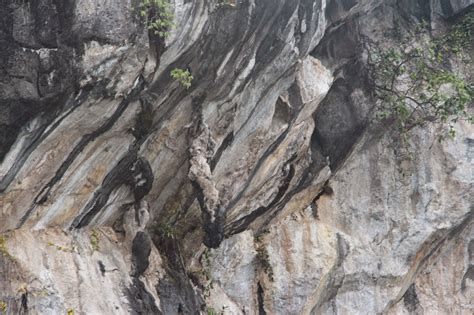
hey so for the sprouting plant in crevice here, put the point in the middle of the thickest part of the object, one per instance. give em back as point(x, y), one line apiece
point(4, 249)
point(62, 248)
point(414, 82)
point(231, 3)
point(94, 240)
point(206, 272)
point(165, 230)
point(3, 306)
point(184, 77)
point(159, 14)
point(69, 311)
point(259, 238)
point(212, 311)
point(263, 258)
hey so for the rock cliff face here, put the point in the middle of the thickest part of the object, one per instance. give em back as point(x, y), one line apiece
point(264, 188)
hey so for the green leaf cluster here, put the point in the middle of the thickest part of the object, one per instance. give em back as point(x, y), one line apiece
point(160, 16)
point(4, 248)
point(165, 230)
point(184, 77)
point(206, 262)
point(213, 311)
point(415, 83)
point(221, 3)
point(3, 306)
point(94, 241)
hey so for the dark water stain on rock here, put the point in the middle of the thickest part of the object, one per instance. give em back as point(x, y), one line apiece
point(141, 249)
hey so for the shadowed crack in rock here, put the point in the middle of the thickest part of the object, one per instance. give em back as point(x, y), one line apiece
point(141, 249)
point(410, 299)
point(260, 299)
point(140, 300)
point(131, 171)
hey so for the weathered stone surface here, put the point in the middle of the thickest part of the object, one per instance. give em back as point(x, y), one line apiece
point(86, 272)
point(114, 178)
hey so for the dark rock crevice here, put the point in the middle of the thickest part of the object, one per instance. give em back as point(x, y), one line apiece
point(175, 289)
point(141, 249)
point(468, 275)
point(410, 299)
point(213, 224)
point(140, 300)
point(224, 145)
point(132, 171)
point(339, 123)
point(260, 300)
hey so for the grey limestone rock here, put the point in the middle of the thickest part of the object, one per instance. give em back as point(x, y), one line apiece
point(264, 188)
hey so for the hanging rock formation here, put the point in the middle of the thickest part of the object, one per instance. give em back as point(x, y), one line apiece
point(264, 188)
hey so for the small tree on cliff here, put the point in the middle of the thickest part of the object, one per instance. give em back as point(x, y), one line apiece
point(415, 82)
point(159, 14)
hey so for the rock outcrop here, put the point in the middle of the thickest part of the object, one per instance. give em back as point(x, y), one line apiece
point(264, 188)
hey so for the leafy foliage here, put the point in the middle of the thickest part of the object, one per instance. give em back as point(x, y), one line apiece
point(3, 306)
point(415, 83)
point(221, 3)
point(4, 249)
point(206, 272)
point(165, 230)
point(62, 248)
point(184, 77)
point(160, 16)
point(211, 311)
point(94, 240)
